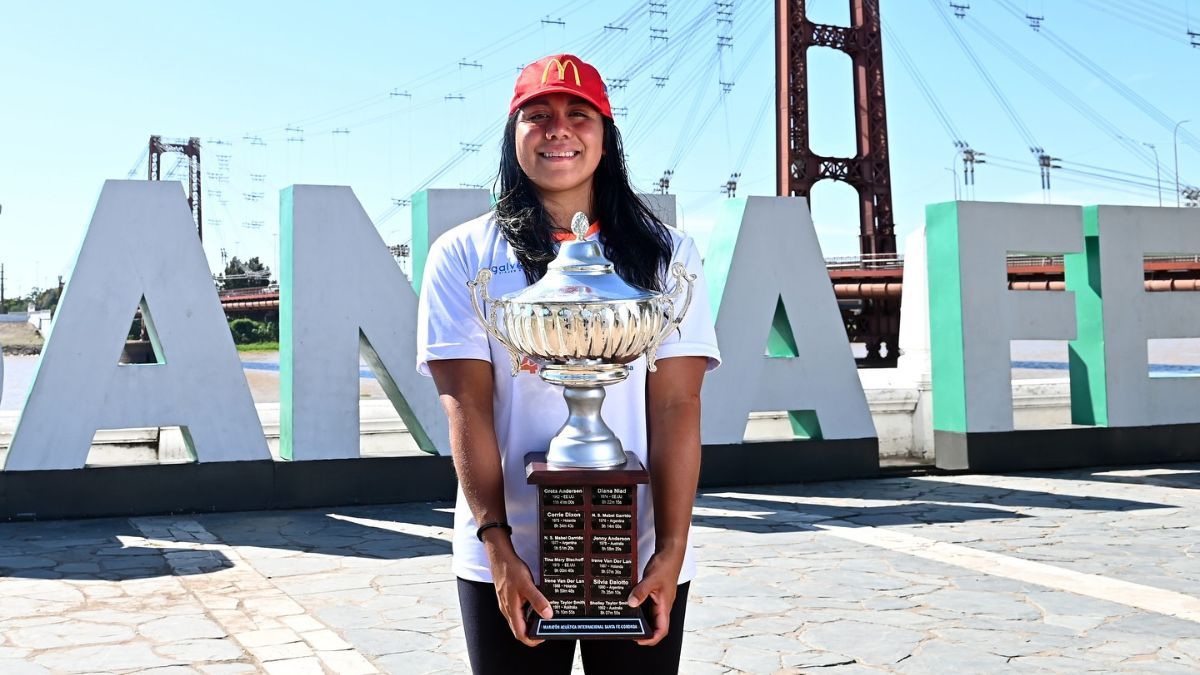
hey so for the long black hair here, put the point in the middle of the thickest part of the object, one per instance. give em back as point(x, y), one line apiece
point(633, 238)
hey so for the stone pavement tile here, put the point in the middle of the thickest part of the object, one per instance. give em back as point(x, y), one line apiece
point(111, 615)
point(773, 643)
point(264, 638)
point(21, 667)
point(981, 603)
point(697, 648)
point(284, 652)
point(181, 628)
point(938, 658)
point(751, 660)
point(346, 662)
point(273, 606)
point(411, 614)
point(301, 666)
point(815, 658)
point(864, 642)
point(301, 623)
point(325, 640)
point(702, 668)
point(69, 633)
point(14, 653)
point(227, 668)
point(107, 657)
point(771, 625)
point(381, 641)
point(346, 616)
point(287, 567)
point(848, 669)
point(234, 621)
point(421, 662)
point(1146, 626)
point(200, 650)
point(1009, 644)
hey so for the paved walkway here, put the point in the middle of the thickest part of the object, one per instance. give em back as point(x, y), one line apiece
point(1056, 572)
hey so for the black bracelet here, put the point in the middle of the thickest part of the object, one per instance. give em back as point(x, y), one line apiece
point(495, 523)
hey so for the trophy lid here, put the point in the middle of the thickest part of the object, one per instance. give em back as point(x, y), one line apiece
point(579, 273)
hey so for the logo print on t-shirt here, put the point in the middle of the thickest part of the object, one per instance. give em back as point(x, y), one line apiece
point(507, 268)
point(528, 365)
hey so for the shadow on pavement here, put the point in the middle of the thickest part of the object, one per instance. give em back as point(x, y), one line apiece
point(1186, 476)
point(918, 502)
point(107, 550)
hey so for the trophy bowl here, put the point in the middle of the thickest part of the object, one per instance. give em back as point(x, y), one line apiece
point(613, 332)
point(583, 324)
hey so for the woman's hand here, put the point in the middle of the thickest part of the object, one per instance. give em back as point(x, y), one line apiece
point(514, 585)
point(659, 583)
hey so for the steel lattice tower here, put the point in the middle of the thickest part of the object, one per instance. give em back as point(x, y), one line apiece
point(799, 168)
point(191, 151)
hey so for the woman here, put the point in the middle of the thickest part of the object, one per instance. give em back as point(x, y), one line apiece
point(561, 154)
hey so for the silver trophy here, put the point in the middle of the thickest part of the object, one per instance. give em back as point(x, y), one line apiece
point(584, 325)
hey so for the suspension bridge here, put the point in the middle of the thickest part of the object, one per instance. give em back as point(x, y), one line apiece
point(703, 77)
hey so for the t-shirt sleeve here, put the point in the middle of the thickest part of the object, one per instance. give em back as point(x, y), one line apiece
point(447, 327)
point(696, 335)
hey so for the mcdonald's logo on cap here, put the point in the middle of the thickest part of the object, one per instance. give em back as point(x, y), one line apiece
point(561, 73)
point(562, 70)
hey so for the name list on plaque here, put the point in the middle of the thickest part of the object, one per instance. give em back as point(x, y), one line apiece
point(588, 527)
point(589, 543)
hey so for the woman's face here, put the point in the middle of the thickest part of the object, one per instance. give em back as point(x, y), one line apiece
point(560, 139)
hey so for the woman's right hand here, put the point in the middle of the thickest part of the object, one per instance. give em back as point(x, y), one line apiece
point(514, 585)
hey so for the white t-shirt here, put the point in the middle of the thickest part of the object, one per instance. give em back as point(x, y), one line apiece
point(529, 412)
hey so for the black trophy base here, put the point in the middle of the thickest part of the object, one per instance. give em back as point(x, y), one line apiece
point(587, 627)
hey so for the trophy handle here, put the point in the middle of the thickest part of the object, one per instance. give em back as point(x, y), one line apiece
point(682, 279)
point(479, 294)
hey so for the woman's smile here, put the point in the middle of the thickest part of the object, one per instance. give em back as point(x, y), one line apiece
point(559, 154)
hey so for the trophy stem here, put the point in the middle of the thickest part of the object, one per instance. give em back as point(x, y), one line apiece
point(585, 440)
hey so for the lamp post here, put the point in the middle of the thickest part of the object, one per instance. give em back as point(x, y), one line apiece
point(1175, 143)
point(1157, 170)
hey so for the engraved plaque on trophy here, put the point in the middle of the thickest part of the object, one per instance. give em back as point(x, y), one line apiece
point(583, 324)
point(596, 583)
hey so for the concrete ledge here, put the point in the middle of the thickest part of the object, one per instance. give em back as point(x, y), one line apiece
point(149, 489)
point(1065, 448)
point(788, 462)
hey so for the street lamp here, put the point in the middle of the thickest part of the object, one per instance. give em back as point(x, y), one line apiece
point(1175, 142)
point(1157, 170)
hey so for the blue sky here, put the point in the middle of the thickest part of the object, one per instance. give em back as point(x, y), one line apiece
point(83, 85)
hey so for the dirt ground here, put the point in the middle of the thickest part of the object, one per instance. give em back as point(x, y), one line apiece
point(20, 338)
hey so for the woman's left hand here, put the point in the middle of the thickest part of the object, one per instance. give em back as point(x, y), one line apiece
point(659, 583)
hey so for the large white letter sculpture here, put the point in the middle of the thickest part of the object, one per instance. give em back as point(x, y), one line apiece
point(768, 286)
point(141, 247)
point(974, 316)
point(1117, 316)
point(341, 291)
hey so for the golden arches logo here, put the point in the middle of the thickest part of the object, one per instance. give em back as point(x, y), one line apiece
point(562, 70)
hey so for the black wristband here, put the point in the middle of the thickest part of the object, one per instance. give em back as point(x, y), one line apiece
point(495, 523)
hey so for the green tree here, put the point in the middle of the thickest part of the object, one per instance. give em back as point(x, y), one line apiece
point(48, 299)
point(245, 274)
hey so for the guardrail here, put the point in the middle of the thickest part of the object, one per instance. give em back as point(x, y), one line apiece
point(257, 290)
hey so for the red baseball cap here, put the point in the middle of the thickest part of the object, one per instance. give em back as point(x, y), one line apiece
point(561, 73)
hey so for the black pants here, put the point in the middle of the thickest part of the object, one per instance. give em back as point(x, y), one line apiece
point(494, 650)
